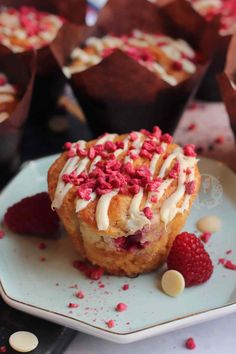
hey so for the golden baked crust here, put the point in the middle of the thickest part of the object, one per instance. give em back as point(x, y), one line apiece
point(98, 245)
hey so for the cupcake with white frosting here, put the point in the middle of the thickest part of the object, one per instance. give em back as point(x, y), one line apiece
point(124, 198)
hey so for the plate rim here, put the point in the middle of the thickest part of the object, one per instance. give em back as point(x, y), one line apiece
point(116, 337)
point(104, 333)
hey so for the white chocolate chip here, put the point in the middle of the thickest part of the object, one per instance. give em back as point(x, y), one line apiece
point(23, 341)
point(209, 223)
point(172, 283)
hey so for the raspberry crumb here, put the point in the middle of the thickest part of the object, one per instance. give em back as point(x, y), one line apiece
point(3, 349)
point(2, 234)
point(221, 261)
point(220, 139)
point(73, 305)
point(230, 265)
point(191, 127)
point(148, 213)
point(42, 246)
point(68, 145)
point(42, 259)
point(205, 237)
point(110, 323)
point(190, 343)
point(190, 187)
point(189, 150)
point(228, 251)
point(125, 287)
point(121, 307)
point(80, 294)
point(91, 272)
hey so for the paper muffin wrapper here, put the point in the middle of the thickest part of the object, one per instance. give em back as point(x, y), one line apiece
point(226, 80)
point(21, 75)
point(49, 81)
point(119, 94)
point(217, 47)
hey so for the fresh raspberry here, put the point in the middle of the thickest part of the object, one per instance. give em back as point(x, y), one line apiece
point(189, 257)
point(33, 215)
point(190, 343)
point(3, 349)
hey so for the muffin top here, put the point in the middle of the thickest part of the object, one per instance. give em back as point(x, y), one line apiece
point(120, 184)
point(8, 97)
point(226, 9)
point(171, 59)
point(26, 28)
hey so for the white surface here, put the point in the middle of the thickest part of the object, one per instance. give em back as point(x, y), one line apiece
point(214, 337)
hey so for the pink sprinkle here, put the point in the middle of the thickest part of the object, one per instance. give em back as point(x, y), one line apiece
point(42, 246)
point(189, 150)
point(148, 213)
point(73, 305)
point(230, 265)
point(121, 307)
point(80, 294)
point(220, 139)
point(3, 349)
point(190, 187)
point(205, 237)
point(2, 234)
point(125, 287)
point(110, 323)
point(228, 251)
point(190, 343)
point(191, 127)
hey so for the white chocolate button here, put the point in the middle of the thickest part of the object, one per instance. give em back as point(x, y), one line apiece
point(23, 341)
point(209, 223)
point(172, 282)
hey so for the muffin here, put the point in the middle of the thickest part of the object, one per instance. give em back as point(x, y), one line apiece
point(9, 97)
point(124, 198)
point(27, 28)
point(173, 60)
point(224, 9)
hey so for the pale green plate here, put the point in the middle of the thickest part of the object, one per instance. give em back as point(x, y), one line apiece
point(44, 288)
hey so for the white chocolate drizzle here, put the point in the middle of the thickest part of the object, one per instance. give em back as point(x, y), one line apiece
point(62, 189)
point(136, 217)
point(169, 208)
point(102, 217)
